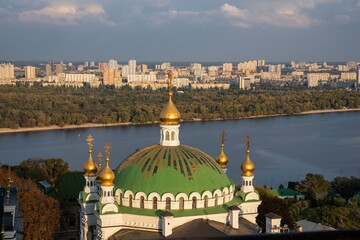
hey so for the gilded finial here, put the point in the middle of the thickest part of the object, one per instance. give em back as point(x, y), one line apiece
point(107, 151)
point(89, 141)
point(247, 166)
point(90, 166)
point(107, 176)
point(248, 140)
point(99, 156)
point(223, 137)
point(222, 159)
point(170, 76)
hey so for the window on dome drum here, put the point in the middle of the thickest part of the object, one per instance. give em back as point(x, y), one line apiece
point(154, 202)
point(168, 203)
point(142, 199)
point(181, 203)
point(194, 203)
point(206, 200)
point(167, 136)
point(216, 199)
point(172, 135)
point(130, 200)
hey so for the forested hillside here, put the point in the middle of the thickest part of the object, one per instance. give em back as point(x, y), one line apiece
point(22, 106)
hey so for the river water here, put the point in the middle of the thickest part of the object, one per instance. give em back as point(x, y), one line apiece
point(282, 148)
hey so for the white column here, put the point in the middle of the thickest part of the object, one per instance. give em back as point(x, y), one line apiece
point(169, 135)
point(247, 184)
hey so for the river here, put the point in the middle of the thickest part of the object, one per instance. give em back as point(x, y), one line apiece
point(282, 148)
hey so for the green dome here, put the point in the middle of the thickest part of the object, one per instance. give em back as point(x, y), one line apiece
point(165, 169)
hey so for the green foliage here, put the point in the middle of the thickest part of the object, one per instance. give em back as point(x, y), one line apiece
point(42, 169)
point(346, 187)
point(315, 186)
point(23, 106)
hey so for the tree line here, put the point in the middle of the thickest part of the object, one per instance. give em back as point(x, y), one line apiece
point(22, 106)
point(327, 202)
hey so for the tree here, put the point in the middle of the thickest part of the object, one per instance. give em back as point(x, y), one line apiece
point(315, 186)
point(55, 167)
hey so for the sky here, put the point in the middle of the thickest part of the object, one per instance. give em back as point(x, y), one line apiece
point(180, 30)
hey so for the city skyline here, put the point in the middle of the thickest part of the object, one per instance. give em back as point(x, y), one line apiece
point(161, 30)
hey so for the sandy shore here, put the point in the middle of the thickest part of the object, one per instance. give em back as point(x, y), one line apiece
point(93, 125)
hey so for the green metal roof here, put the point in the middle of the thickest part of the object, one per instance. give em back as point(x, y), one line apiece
point(164, 169)
point(286, 192)
point(68, 187)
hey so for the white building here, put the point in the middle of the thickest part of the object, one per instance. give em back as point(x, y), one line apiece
point(7, 71)
point(30, 72)
point(125, 71)
point(113, 64)
point(227, 67)
point(314, 78)
point(347, 76)
point(132, 67)
point(141, 78)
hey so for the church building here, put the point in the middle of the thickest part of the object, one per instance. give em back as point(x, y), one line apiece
point(166, 190)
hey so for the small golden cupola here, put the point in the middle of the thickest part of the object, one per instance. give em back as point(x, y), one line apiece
point(222, 159)
point(90, 166)
point(247, 166)
point(107, 175)
point(170, 114)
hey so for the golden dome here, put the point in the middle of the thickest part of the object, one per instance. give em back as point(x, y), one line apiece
point(222, 159)
point(90, 166)
point(248, 167)
point(170, 114)
point(107, 175)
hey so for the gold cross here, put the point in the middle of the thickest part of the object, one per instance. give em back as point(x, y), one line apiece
point(248, 139)
point(107, 149)
point(89, 141)
point(223, 136)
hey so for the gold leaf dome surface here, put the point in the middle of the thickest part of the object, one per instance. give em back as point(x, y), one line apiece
point(170, 114)
point(222, 159)
point(107, 175)
point(248, 166)
point(90, 167)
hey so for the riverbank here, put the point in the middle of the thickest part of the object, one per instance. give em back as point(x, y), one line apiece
point(94, 125)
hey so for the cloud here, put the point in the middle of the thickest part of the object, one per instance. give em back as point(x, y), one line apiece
point(344, 19)
point(233, 11)
point(274, 14)
point(66, 14)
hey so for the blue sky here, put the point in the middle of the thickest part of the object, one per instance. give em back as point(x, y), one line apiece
point(180, 30)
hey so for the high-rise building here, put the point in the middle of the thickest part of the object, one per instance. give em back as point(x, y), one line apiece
point(7, 71)
point(103, 66)
point(165, 66)
point(47, 70)
point(358, 74)
point(125, 71)
point(30, 72)
point(59, 69)
point(109, 76)
point(227, 67)
point(143, 68)
point(113, 64)
point(92, 64)
point(132, 66)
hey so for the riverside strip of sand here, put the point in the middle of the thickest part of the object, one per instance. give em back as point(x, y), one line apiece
point(93, 125)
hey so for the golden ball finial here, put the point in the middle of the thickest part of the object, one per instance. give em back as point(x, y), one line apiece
point(248, 166)
point(222, 159)
point(107, 175)
point(170, 114)
point(90, 166)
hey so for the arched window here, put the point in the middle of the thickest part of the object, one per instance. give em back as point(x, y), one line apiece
point(172, 135)
point(194, 203)
point(206, 201)
point(167, 136)
point(181, 203)
point(216, 199)
point(72, 222)
point(142, 200)
point(130, 200)
point(168, 203)
point(154, 202)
